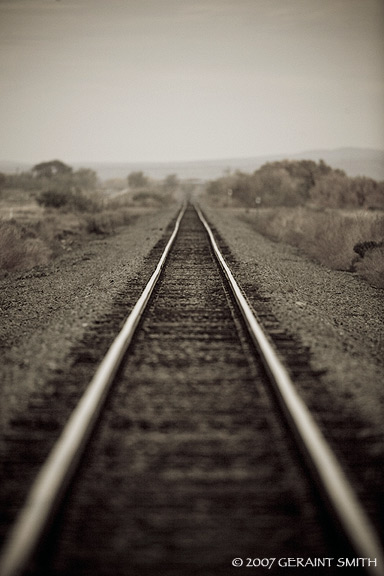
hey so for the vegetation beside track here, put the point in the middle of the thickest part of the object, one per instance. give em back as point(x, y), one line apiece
point(335, 219)
point(52, 207)
point(340, 240)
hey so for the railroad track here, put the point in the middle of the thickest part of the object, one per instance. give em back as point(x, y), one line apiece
point(190, 451)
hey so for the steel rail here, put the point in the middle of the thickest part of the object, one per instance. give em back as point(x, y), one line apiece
point(335, 485)
point(58, 469)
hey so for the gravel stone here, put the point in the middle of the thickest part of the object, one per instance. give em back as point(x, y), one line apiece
point(337, 315)
point(193, 466)
point(334, 316)
point(45, 311)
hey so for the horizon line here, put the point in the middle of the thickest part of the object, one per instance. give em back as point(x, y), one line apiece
point(202, 160)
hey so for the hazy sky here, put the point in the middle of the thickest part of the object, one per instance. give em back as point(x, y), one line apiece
point(158, 80)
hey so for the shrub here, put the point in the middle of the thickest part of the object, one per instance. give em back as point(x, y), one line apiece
point(20, 249)
point(297, 183)
point(67, 199)
point(330, 237)
point(107, 221)
point(137, 180)
point(53, 199)
point(371, 266)
point(149, 197)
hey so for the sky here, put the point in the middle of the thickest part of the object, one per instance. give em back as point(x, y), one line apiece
point(176, 80)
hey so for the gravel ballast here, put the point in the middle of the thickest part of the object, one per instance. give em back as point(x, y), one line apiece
point(46, 311)
point(337, 315)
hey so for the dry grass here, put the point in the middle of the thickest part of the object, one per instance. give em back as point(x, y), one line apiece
point(19, 249)
point(27, 243)
point(29, 240)
point(37, 224)
point(371, 267)
point(31, 235)
point(328, 236)
point(107, 221)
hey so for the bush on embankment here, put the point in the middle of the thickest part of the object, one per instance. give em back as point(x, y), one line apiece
point(332, 237)
point(315, 207)
point(296, 183)
point(21, 248)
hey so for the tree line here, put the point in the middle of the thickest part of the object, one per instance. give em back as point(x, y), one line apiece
point(295, 183)
point(55, 184)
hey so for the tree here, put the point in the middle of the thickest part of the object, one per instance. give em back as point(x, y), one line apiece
point(333, 191)
point(171, 183)
point(85, 179)
point(61, 187)
point(137, 180)
point(51, 169)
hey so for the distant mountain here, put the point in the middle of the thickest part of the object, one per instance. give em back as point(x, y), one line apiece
point(354, 161)
point(9, 167)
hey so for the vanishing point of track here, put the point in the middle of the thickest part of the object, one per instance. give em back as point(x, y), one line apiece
point(190, 447)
